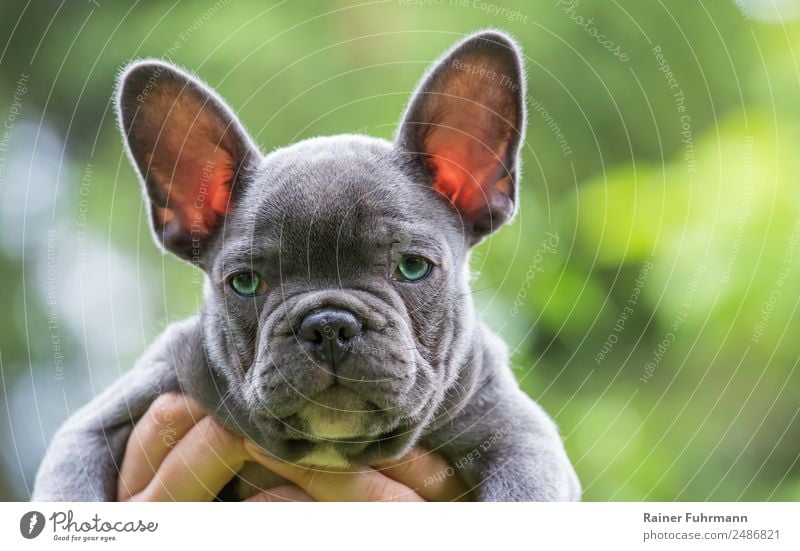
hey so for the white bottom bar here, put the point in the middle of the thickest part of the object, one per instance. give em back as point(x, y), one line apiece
point(402, 527)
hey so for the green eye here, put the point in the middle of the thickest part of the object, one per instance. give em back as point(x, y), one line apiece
point(247, 284)
point(412, 268)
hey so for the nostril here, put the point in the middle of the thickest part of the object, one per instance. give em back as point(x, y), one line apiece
point(329, 331)
point(349, 330)
point(311, 332)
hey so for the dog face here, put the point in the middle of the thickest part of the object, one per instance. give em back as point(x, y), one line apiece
point(338, 322)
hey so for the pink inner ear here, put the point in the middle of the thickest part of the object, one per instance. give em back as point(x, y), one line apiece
point(466, 176)
point(199, 192)
point(205, 193)
point(466, 149)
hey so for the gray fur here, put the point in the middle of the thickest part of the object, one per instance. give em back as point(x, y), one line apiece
point(324, 221)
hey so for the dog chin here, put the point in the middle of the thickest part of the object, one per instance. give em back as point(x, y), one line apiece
point(320, 428)
point(325, 456)
point(339, 422)
point(336, 413)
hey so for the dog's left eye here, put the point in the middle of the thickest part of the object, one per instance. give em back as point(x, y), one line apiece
point(412, 268)
point(247, 284)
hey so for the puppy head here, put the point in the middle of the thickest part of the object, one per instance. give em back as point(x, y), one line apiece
point(338, 324)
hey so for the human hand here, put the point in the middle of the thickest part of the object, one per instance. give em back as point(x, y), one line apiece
point(420, 475)
point(178, 453)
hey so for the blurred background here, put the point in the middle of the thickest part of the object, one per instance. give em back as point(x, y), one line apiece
point(648, 289)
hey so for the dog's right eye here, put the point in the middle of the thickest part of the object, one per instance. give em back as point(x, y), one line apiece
point(247, 284)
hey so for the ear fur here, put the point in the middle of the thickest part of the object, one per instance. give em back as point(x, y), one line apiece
point(189, 149)
point(464, 125)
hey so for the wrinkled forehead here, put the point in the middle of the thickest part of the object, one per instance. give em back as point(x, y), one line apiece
point(335, 208)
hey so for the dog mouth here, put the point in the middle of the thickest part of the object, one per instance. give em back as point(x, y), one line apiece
point(337, 428)
point(338, 414)
point(342, 453)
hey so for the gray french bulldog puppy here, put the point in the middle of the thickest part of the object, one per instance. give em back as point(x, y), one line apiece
point(338, 328)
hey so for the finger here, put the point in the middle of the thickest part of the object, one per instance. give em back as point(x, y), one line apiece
point(199, 466)
point(288, 492)
point(365, 484)
point(165, 422)
point(428, 474)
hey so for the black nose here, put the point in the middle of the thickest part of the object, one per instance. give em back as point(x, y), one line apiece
point(329, 332)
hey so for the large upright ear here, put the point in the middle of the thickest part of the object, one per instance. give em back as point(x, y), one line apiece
point(465, 124)
point(190, 151)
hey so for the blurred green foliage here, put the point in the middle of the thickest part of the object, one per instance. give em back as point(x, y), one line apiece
point(717, 418)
